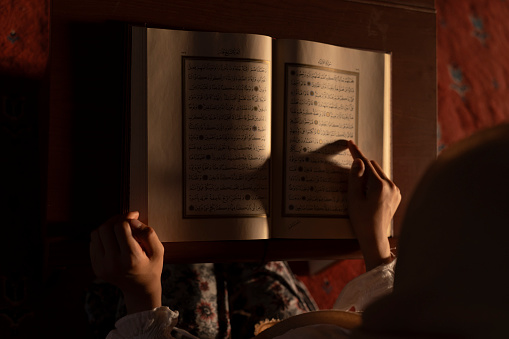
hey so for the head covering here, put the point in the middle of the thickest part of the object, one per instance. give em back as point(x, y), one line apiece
point(323, 323)
point(452, 275)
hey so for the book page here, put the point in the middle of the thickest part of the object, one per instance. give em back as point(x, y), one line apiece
point(325, 95)
point(209, 135)
point(321, 110)
point(226, 141)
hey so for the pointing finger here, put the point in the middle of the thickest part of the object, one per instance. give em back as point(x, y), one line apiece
point(355, 151)
point(357, 154)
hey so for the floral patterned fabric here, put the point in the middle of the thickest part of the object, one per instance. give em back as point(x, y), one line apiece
point(472, 66)
point(214, 300)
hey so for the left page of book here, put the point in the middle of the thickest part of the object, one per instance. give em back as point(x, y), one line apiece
point(208, 135)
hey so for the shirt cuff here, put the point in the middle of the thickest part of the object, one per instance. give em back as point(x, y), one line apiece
point(156, 323)
point(366, 288)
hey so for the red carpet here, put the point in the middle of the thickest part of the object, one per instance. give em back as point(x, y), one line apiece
point(24, 40)
point(326, 285)
point(473, 69)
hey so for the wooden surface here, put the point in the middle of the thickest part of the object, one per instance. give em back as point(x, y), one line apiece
point(62, 251)
point(86, 102)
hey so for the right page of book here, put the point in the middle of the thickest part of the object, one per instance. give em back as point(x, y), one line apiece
point(324, 95)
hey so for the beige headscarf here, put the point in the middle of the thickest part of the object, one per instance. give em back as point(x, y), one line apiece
point(452, 276)
point(345, 320)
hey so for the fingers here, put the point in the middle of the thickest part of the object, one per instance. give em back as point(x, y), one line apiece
point(380, 171)
point(127, 243)
point(114, 236)
point(392, 185)
point(147, 238)
point(355, 151)
point(356, 182)
point(132, 215)
point(372, 167)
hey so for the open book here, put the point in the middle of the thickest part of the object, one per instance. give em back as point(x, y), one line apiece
point(242, 136)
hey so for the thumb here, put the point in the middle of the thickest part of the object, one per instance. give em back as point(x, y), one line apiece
point(355, 178)
point(147, 238)
point(133, 215)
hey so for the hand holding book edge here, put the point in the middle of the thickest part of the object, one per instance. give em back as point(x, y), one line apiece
point(128, 254)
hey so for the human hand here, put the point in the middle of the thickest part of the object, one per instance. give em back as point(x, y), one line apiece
point(128, 254)
point(372, 201)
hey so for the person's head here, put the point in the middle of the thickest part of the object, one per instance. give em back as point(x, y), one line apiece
point(452, 275)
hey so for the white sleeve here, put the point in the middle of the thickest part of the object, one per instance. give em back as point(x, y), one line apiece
point(154, 324)
point(366, 288)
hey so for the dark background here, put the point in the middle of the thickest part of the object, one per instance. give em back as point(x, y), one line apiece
point(472, 73)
